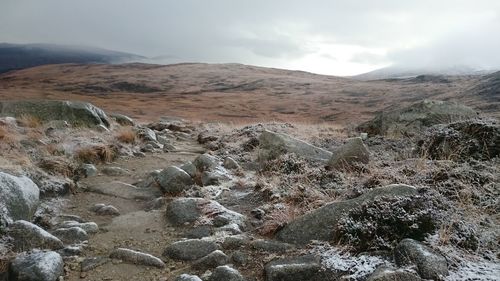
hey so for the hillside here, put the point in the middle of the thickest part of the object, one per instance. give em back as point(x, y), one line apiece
point(235, 92)
point(19, 56)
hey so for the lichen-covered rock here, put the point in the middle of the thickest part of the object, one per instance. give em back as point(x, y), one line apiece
point(174, 180)
point(146, 134)
point(19, 198)
point(37, 266)
point(206, 162)
point(191, 249)
point(136, 257)
point(353, 151)
point(429, 263)
point(274, 144)
point(29, 236)
point(74, 112)
point(89, 227)
point(189, 168)
point(416, 117)
point(187, 277)
point(226, 273)
point(123, 120)
point(320, 224)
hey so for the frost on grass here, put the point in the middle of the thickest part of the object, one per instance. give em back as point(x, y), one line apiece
point(356, 267)
point(480, 271)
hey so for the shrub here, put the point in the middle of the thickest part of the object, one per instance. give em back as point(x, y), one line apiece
point(96, 154)
point(126, 136)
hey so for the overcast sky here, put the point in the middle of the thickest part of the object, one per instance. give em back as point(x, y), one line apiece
point(339, 37)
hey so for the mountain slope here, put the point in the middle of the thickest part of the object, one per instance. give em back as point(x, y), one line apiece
point(19, 56)
point(401, 72)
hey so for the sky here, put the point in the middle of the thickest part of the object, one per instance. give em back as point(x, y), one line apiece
point(336, 37)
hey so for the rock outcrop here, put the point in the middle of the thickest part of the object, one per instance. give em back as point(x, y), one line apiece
point(429, 263)
point(19, 197)
point(353, 151)
point(40, 266)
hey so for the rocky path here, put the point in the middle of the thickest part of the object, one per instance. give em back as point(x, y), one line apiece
point(134, 227)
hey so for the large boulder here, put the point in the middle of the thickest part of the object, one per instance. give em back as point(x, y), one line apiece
point(190, 249)
point(416, 117)
point(274, 144)
point(37, 266)
point(429, 263)
point(353, 151)
point(174, 180)
point(320, 223)
point(462, 140)
point(74, 112)
point(19, 198)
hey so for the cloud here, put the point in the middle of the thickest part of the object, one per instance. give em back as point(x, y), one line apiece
point(312, 34)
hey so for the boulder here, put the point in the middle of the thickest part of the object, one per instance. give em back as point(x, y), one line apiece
point(91, 263)
point(271, 246)
point(188, 210)
point(191, 249)
point(89, 227)
point(88, 170)
point(37, 266)
point(123, 120)
point(416, 117)
point(29, 236)
point(385, 273)
point(146, 134)
point(297, 269)
point(320, 224)
point(274, 144)
point(174, 180)
point(429, 263)
point(75, 112)
point(226, 273)
point(462, 140)
point(353, 151)
point(19, 198)
point(189, 168)
point(206, 162)
point(71, 235)
point(114, 171)
point(212, 260)
point(136, 257)
point(230, 163)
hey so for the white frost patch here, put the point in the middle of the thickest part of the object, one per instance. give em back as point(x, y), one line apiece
point(356, 267)
point(480, 271)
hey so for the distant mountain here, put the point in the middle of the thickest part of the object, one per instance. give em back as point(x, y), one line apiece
point(19, 56)
point(401, 72)
point(489, 87)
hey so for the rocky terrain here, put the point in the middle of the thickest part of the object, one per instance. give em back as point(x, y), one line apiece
point(241, 93)
point(412, 194)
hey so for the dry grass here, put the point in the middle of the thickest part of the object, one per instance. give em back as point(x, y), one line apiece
point(30, 121)
point(278, 219)
point(96, 154)
point(126, 135)
point(57, 166)
point(7, 136)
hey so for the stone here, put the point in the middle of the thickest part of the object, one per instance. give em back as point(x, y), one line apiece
point(89, 227)
point(187, 277)
point(275, 144)
point(136, 257)
point(188, 210)
point(70, 251)
point(191, 249)
point(19, 198)
point(114, 171)
point(89, 264)
point(232, 228)
point(239, 258)
point(271, 246)
point(37, 266)
point(198, 232)
point(429, 263)
point(212, 178)
point(230, 163)
point(226, 273)
point(385, 273)
point(105, 210)
point(71, 235)
point(169, 147)
point(49, 185)
point(416, 117)
point(353, 151)
point(298, 269)
point(174, 180)
point(122, 119)
point(89, 170)
point(320, 224)
point(124, 190)
point(205, 137)
point(212, 260)
point(206, 162)
point(29, 236)
point(146, 134)
point(235, 241)
point(76, 113)
point(189, 168)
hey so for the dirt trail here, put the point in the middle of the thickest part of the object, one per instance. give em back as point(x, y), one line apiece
point(134, 228)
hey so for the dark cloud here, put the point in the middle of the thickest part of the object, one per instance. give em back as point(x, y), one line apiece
point(280, 33)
